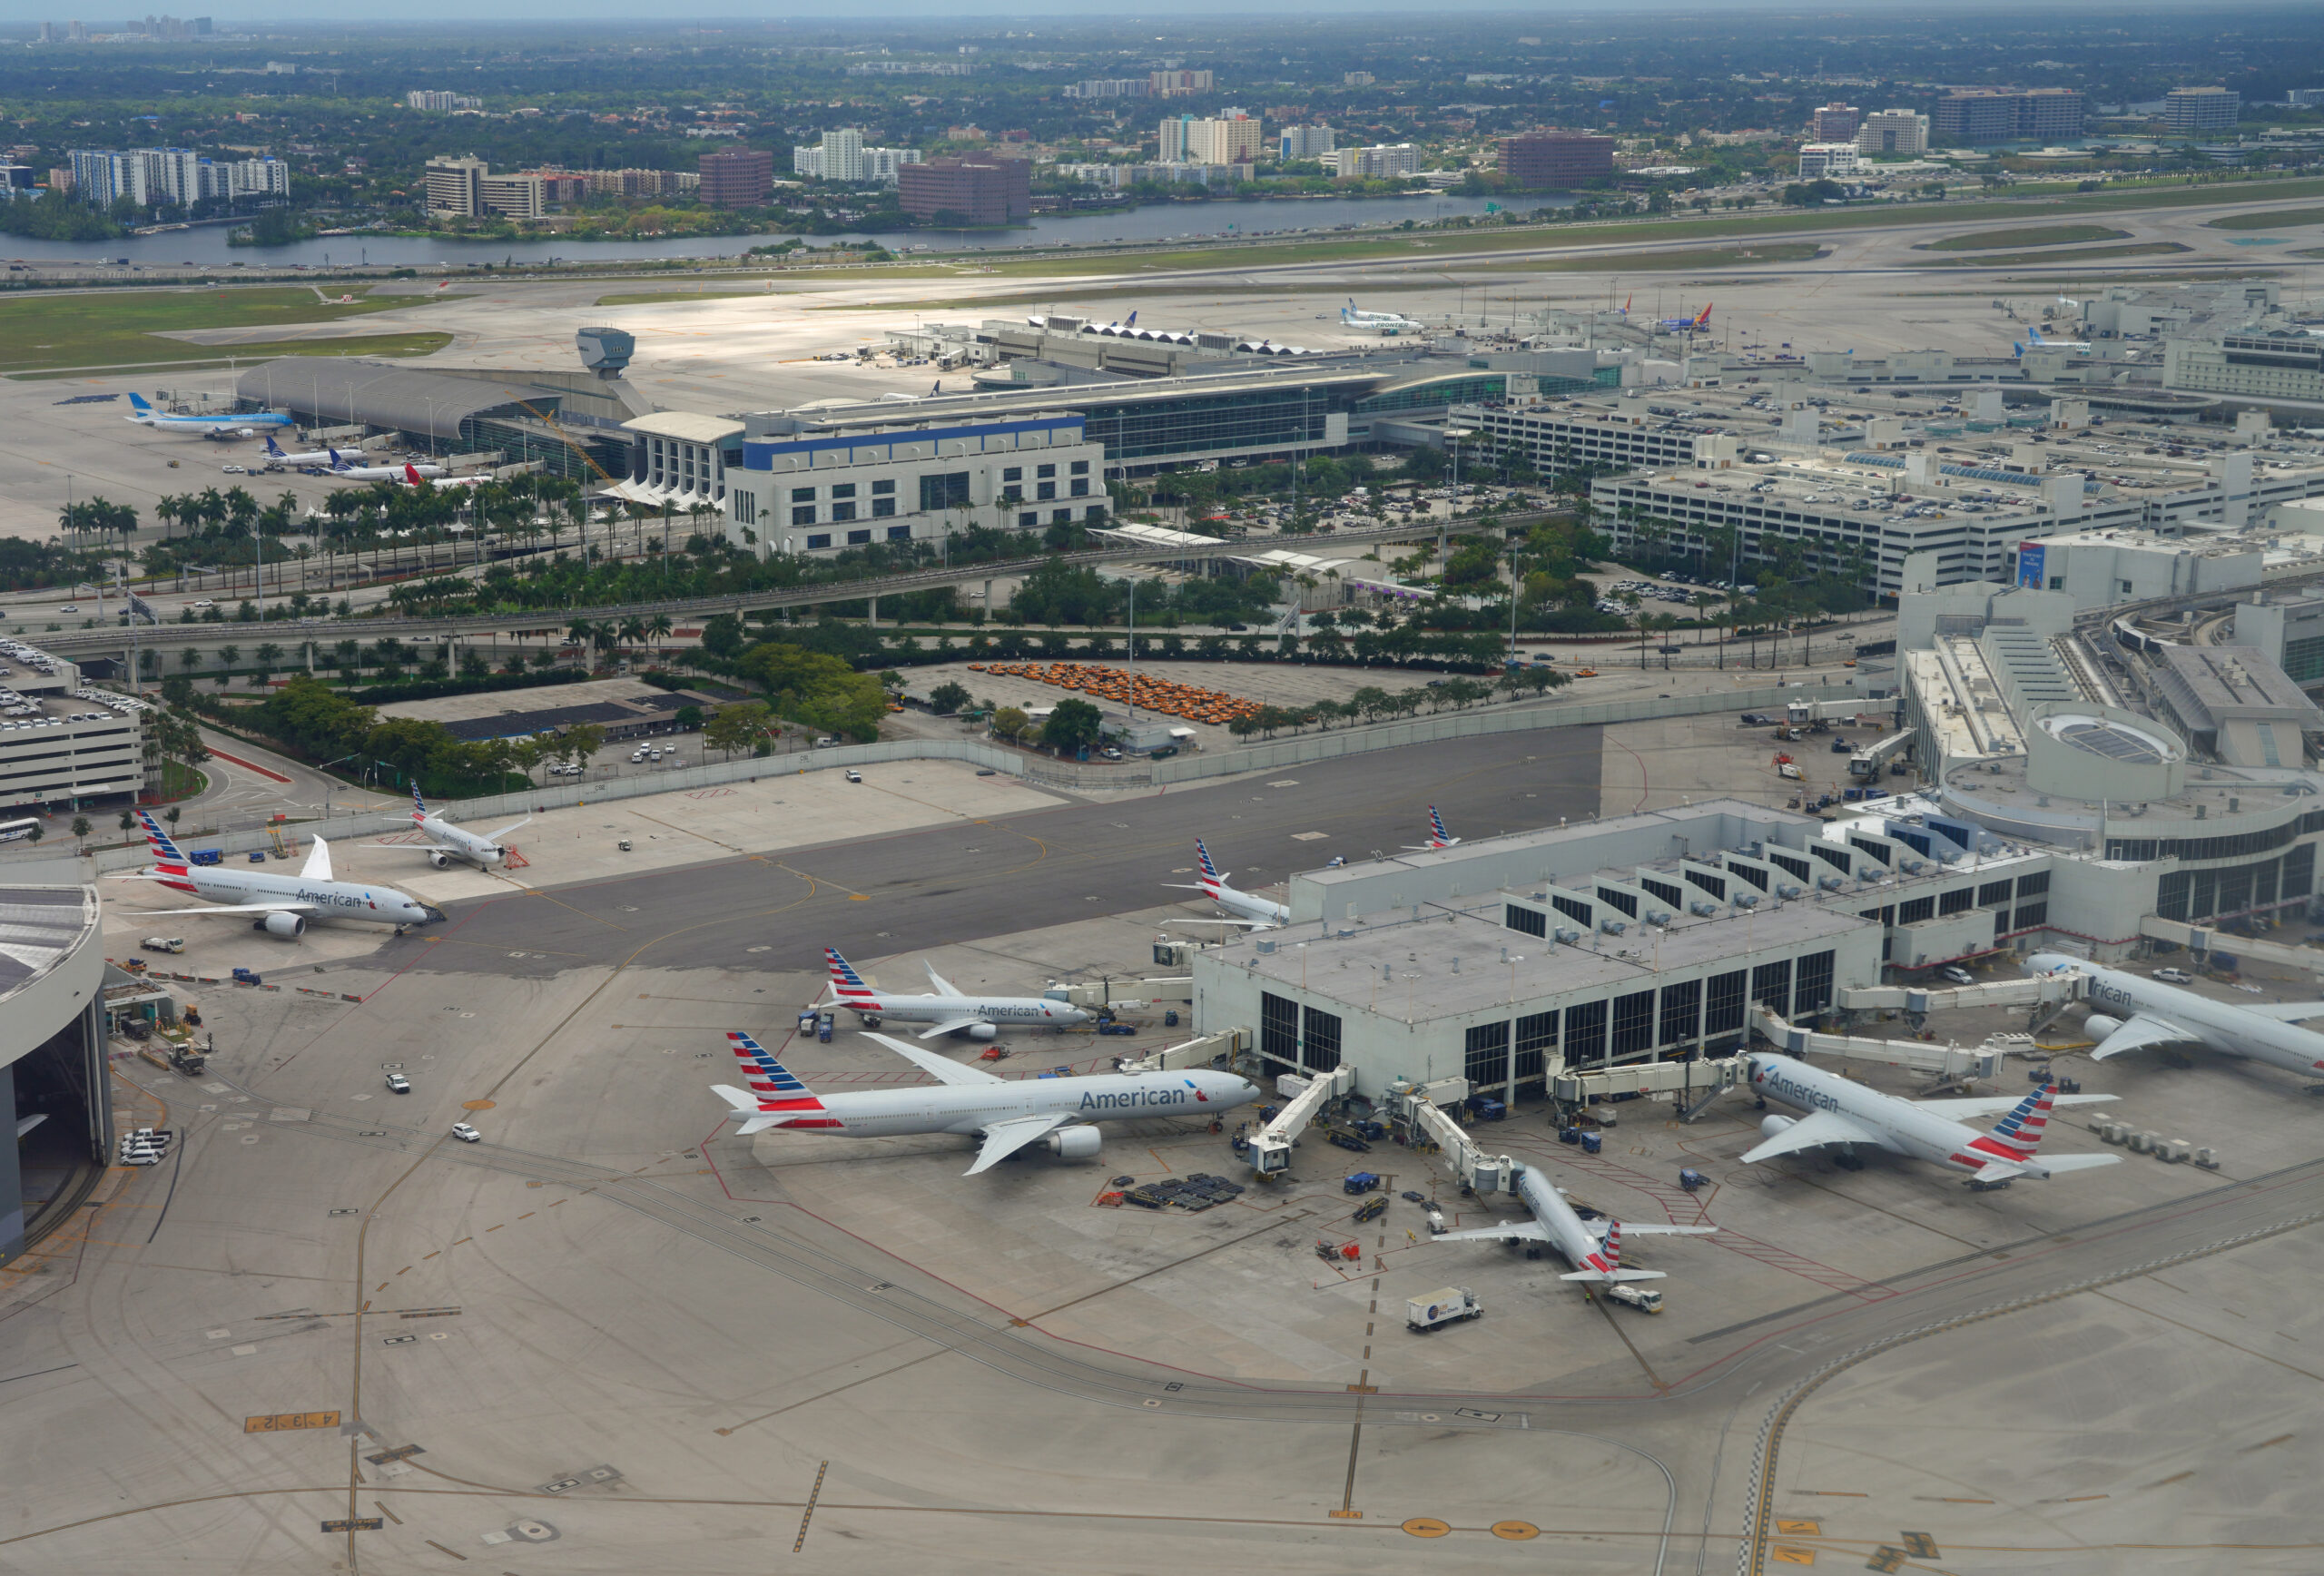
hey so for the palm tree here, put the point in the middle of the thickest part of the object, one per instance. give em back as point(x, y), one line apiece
point(633, 631)
point(658, 628)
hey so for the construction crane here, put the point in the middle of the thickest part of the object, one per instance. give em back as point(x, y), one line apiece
point(549, 422)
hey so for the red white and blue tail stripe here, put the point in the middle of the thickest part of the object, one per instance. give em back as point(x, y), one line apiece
point(418, 805)
point(1437, 836)
point(776, 1089)
point(2018, 1135)
point(1210, 872)
point(847, 985)
point(168, 864)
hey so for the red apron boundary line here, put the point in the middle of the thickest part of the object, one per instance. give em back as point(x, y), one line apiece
point(267, 772)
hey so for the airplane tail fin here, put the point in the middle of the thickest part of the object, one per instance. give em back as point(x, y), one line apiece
point(1132, 321)
point(848, 987)
point(418, 805)
point(1436, 828)
point(165, 851)
point(1210, 872)
point(754, 1118)
point(273, 449)
point(409, 473)
point(775, 1088)
point(1702, 318)
point(137, 403)
point(2018, 1135)
point(336, 463)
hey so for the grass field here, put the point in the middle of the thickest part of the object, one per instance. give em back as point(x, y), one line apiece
point(2030, 235)
point(177, 353)
point(2280, 219)
point(2077, 254)
point(655, 298)
point(114, 328)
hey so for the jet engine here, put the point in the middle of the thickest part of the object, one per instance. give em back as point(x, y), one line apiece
point(439, 859)
point(1773, 1125)
point(288, 926)
point(2098, 1025)
point(1073, 1143)
point(983, 1031)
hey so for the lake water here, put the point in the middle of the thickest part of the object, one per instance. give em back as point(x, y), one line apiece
point(1193, 221)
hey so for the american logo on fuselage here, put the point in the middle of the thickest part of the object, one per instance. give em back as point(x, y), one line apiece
point(1797, 1094)
point(1130, 1097)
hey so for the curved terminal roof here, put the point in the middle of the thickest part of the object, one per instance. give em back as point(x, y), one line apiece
point(325, 390)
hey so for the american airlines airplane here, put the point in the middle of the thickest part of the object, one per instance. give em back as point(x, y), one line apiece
point(2132, 1013)
point(1437, 836)
point(1594, 1247)
point(1003, 1114)
point(949, 1010)
point(1842, 1114)
point(144, 415)
point(485, 853)
point(1254, 913)
point(283, 903)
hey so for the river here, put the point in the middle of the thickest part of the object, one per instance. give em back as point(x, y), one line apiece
point(205, 246)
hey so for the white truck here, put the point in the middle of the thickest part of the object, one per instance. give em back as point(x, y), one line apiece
point(1443, 1307)
point(163, 945)
point(1645, 1302)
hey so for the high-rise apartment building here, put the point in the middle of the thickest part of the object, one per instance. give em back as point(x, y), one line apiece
point(420, 98)
point(456, 186)
point(1902, 131)
point(1303, 143)
point(2202, 109)
point(1236, 139)
point(1179, 83)
point(1982, 116)
point(1379, 162)
point(738, 178)
point(1543, 161)
point(146, 176)
point(1836, 123)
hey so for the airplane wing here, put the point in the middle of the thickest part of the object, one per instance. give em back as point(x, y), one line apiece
point(943, 986)
point(2286, 1012)
point(1508, 1229)
point(938, 1031)
point(318, 866)
point(1633, 1228)
point(1811, 1131)
point(2142, 1031)
point(942, 1069)
point(1994, 1105)
point(1003, 1139)
point(1246, 924)
point(288, 906)
point(497, 836)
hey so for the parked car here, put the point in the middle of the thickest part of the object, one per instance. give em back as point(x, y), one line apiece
point(2174, 976)
point(466, 1134)
point(399, 1084)
point(1958, 976)
point(854, 776)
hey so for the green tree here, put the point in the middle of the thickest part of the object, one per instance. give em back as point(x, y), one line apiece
point(737, 726)
point(948, 697)
point(1072, 724)
point(1010, 723)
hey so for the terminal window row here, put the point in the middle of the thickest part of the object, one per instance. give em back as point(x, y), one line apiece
point(1031, 519)
point(857, 538)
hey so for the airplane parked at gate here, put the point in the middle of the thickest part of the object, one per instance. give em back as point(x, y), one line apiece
point(2132, 1013)
point(949, 1010)
point(1003, 1114)
point(1594, 1247)
point(406, 471)
point(283, 903)
point(1697, 324)
point(485, 853)
point(1254, 913)
point(144, 415)
point(2036, 341)
point(1385, 322)
point(276, 457)
point(1842, 1114)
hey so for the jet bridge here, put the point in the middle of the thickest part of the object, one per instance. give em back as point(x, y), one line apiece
point(2203, 938)
point(1271, 1145)
point(1477, 1170)
point(1919, 1000)
point(1867, 762)
point(1948, 1063)
point(1200, 1051)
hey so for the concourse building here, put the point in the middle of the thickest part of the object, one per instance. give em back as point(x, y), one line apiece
point(53, 1097)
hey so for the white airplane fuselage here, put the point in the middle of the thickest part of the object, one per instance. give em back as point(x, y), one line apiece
point(1897, 1125)
point(1245, 905)
point(2218, 1025)
point(329, 900)
point(968, 1108)
point(1029, 1011)
point(480, 851)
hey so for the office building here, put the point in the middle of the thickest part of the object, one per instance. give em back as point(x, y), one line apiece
point(1969, 118)
point(1355, 79)
point(2306, 98)
point(427, 99)
point(1304, 143)
point(842, 156)
point(1381, 161)
point(1828, 161)
point(967, 191)
point(1898, 132)
point(1836, 123)
point(738, 177)
point(512, 196)
point(2202, 109)
point(2267, 367)
point(1179, 83)
point(1545, 160)
point(641, 182)
point(455, 187)
point(560, 186)
point(1110, 87)
point(814, 484)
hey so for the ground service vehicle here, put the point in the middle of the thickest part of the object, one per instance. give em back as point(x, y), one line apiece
point(1646, 1302)
point(1446, 1305)
point(163, 945)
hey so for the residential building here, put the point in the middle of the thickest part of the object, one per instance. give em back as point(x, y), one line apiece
point(1836, 123)
point(812, 485)
point(641, 182)
point(737, 178)
point(265, 176)
point(2306, 98)
point(560, 186)
point(1236, 139)
point(1971, 117)
point(427, 99)
point(1903, 132)
point(1828, 161)
point(512, 196)
point(1179, 83)
point(842, 156)
point(1355, 79)
point(972, 190)
point(1381, 161)
point(456, 186)
point(1110, 87)
point(1300, 143)
point(1542, 160)
point(2202, 109)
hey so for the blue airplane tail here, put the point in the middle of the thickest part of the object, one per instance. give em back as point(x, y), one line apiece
point(137, 402)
